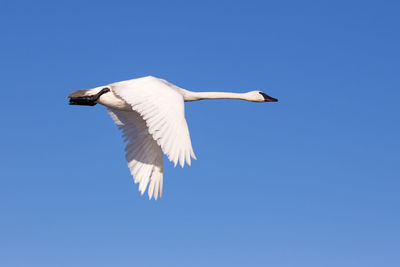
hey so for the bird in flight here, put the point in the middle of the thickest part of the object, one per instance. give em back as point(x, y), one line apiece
point(150, 112)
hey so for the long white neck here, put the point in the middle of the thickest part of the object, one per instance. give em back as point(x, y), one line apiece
point(193, 96)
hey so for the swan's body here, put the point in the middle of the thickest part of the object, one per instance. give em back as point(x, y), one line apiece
point(151, 114)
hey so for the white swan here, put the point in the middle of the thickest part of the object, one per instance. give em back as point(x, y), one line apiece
point(151, 114)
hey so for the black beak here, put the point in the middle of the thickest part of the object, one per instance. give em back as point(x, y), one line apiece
point(267, 98)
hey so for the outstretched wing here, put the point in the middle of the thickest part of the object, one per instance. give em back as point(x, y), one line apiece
point(162, 108)
point(143, 154)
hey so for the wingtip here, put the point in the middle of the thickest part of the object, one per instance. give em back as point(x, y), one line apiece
point(193, 155)
point(155, 196)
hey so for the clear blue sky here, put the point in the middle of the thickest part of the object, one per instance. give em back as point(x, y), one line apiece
point(310, 181)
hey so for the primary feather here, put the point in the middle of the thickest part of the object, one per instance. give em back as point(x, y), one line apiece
point(143, 154)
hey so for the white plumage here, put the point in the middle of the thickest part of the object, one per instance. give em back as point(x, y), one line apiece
point(151, 114)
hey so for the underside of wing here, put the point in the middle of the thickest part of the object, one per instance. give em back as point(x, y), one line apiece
point(143, 154)
point(162, 108)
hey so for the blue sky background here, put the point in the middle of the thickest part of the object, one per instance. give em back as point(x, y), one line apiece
point(310, 181)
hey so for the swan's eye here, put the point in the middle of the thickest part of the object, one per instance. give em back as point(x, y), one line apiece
point(268, 98)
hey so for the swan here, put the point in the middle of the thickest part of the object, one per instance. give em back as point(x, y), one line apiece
point(150, 112)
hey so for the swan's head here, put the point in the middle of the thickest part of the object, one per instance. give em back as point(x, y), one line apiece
point(258, 96)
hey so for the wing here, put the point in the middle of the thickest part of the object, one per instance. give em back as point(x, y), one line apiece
point(162, 107)
point(143, 154)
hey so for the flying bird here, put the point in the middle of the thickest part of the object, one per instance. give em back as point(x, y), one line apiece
point(150, 112)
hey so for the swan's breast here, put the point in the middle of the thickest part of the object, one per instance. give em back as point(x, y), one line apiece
point(111, 100)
